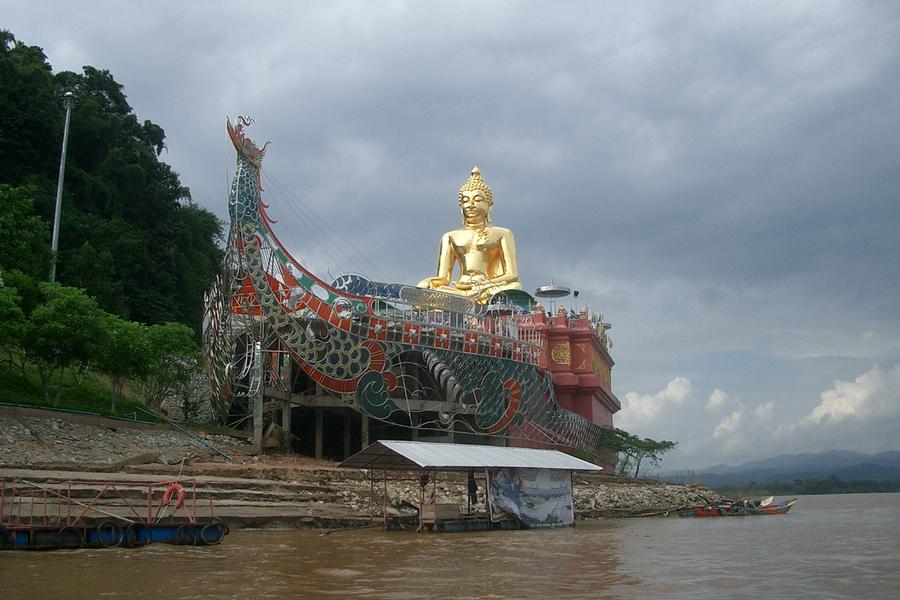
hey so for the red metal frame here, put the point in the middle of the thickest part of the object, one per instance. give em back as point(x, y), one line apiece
point(40, 503)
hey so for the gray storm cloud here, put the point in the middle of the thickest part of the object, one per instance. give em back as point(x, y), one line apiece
point(720, 181)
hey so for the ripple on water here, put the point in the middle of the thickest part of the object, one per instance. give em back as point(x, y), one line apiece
point(823, 549)
point(340, 573)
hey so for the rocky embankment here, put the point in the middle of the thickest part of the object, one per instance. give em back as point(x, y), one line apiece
point(31, 439)
point(267, 492)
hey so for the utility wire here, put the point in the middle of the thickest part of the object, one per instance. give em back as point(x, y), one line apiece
point(312, 215)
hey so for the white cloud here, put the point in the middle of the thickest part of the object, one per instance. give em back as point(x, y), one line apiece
point(764, 412)
point(645, 407)
point(729, 424)
point(353, 134)
point(716, 400)
point(860, 414)
point(872, 394)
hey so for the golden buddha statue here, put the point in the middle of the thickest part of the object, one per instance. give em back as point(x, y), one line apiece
point(486, 255)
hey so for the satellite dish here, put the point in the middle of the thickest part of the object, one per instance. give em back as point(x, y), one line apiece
point(552, 291)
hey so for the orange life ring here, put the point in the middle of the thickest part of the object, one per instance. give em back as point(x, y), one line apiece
point(175, 488)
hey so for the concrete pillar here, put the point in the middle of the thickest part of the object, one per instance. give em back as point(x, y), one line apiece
point(287, 372)
point(257, 379)
point(364, 435)
point(286, 421)
point(320, 431)
point(287, 380)
point(348, 423)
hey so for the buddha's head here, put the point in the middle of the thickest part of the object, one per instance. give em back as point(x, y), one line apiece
point(476, 201)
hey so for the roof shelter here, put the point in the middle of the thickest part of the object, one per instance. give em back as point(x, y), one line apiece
point(524, 487)
point(402, 455)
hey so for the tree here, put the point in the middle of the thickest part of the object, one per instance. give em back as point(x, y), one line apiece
point(12, 321)
point(651, 450)
point(26, 240)
point(125, 355)
point(27, 287)
point(131, 236)
point(173, 355)
point(65, 331)
point(632, 450)
point(31, 118)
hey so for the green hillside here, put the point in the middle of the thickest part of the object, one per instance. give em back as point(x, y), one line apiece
point(131, 235)
point(135, 252)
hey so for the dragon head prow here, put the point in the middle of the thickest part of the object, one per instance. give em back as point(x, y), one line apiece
point(243, 144)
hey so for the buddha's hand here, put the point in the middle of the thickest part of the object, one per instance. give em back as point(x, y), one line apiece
point(467, 282)
point(432, 283)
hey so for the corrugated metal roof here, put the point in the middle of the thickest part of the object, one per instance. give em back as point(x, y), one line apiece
point(393, 455)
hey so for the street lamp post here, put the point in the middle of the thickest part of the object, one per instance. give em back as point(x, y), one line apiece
point(68, 102)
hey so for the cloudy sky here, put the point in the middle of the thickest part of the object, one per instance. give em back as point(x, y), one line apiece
point(720, 180)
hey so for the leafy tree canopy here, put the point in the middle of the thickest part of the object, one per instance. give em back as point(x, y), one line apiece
point(130, 233)
point(25, 238)
point(125, 354)
point(66, 331)
point(174, 354)
point(12, 319)
point(26, 287)
point(632, 450)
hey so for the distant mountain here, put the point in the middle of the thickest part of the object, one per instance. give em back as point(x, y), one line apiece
point(843, 464)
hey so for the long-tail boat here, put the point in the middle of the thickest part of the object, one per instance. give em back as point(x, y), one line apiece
point(740, 508)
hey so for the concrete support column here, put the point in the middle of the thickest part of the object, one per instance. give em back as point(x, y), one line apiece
point(286, 421)
point(287, 380)
point(364, 432)
point(258, 380)
point(320, 431)
point(348, 423)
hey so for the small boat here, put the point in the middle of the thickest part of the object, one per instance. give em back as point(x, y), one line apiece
point(741, 508)
point(778, 509)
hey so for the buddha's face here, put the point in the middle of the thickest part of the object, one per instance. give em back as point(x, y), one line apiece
point(475, 207)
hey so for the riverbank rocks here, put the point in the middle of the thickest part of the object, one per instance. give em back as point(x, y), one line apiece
point(28, 441)
point(597, 498)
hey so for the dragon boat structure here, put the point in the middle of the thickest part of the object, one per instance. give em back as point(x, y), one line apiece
point(397, 353)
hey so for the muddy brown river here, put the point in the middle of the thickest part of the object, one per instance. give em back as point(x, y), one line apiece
point(828, 547)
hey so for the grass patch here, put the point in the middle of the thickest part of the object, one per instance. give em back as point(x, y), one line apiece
point(91, 393)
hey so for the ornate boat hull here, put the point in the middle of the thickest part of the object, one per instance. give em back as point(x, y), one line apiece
point(482, 360)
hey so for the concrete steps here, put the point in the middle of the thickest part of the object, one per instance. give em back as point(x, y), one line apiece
point(240, 501)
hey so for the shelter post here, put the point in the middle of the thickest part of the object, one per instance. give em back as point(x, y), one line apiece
point(364, 432)
point(348, 424)
point(372, 492)
point(320, 431)
point(259, 382)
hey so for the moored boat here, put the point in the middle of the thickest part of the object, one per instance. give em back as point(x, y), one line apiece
point(740, 508)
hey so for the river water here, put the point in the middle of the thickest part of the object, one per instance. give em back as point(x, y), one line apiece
point(844, 546)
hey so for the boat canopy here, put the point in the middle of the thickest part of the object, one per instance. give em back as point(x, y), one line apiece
point(405, 455)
